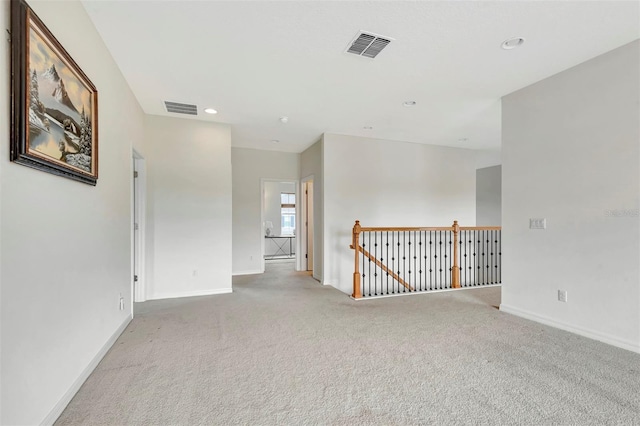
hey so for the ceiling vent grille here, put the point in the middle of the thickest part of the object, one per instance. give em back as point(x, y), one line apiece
point(179, 108)
point(368, 45)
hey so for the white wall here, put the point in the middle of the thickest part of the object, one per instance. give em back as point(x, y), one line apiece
point(571, 155)
point(487, 158)
point(389, 183)
point(188, 207)
point(249, 167)
point(312, 164)
point(66, 253)
point(489, 196)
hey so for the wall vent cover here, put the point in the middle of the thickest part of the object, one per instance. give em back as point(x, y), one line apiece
point(179, 108)
point(368, 44)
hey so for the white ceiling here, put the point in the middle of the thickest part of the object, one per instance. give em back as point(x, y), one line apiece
point(255, 61)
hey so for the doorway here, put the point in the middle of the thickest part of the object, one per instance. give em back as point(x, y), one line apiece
point(307, 224)
point(139, 180)
point(280, 222)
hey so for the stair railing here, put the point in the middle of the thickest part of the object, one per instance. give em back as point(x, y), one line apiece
point(401, 260)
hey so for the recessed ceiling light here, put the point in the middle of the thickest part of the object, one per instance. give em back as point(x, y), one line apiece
point(368, 128)
point(275, 141)
point(512, 43)
point(284, 120)
point(409, 103)
point(210, 111)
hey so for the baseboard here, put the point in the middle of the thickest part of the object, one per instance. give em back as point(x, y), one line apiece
point(415, 293)
point(253, 272)
point(191, 293)
point(595, 335)
point(330, 282)
point(75, 387)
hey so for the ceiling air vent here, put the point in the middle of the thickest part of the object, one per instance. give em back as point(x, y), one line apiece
point(179, 108)
point(368, 44)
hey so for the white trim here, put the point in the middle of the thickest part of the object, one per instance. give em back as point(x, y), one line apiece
point(252, 272)
point(595, 335)
point(414, 293)
point(75, 387)
point(139, 165)
point(304, 214)
point(191, 293)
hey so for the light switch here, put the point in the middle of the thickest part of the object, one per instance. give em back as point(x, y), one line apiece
point(562, 295)
point(538, 223)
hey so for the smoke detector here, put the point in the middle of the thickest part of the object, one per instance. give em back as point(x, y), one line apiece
point(512, 43)
point(368, 44)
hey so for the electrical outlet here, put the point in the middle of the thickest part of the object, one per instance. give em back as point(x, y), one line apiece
point(195, 273)
point(538, 223)
point(562, 295)
point(121, 303)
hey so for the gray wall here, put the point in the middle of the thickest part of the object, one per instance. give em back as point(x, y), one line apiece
point(570, 154)
point(249, 166)
point(489, 196)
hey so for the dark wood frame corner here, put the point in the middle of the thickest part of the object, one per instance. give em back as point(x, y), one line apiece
point(22, 19)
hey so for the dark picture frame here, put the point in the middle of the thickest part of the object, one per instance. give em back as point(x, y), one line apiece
point(54, 105)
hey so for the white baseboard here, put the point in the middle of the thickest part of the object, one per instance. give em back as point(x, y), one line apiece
point(191, 293)
point(253, 272)
point(329, 281)
point(75, 387)
point(595, 335)
point(415, 293)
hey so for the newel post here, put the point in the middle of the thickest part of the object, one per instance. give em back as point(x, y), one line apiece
point(455, 269)
point(356, 247)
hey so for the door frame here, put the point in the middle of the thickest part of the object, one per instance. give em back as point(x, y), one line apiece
point(296, 183)
point(304, 212)
point(138, 215)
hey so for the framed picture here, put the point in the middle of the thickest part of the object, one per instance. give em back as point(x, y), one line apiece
point(54, 123)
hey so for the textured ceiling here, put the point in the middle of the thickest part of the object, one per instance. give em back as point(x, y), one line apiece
point(255, 61)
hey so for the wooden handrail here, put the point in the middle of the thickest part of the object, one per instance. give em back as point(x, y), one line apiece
point(455, 264)
point(401, 229)
point(429, 228)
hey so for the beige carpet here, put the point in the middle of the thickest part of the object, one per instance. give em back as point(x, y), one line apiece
point(284, 350)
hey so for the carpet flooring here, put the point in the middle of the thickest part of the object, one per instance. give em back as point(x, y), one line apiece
point(284, 350)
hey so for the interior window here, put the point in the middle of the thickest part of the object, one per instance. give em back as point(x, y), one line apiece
point(288, 213)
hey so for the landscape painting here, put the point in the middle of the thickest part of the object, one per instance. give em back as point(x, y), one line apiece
point(60, 106)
